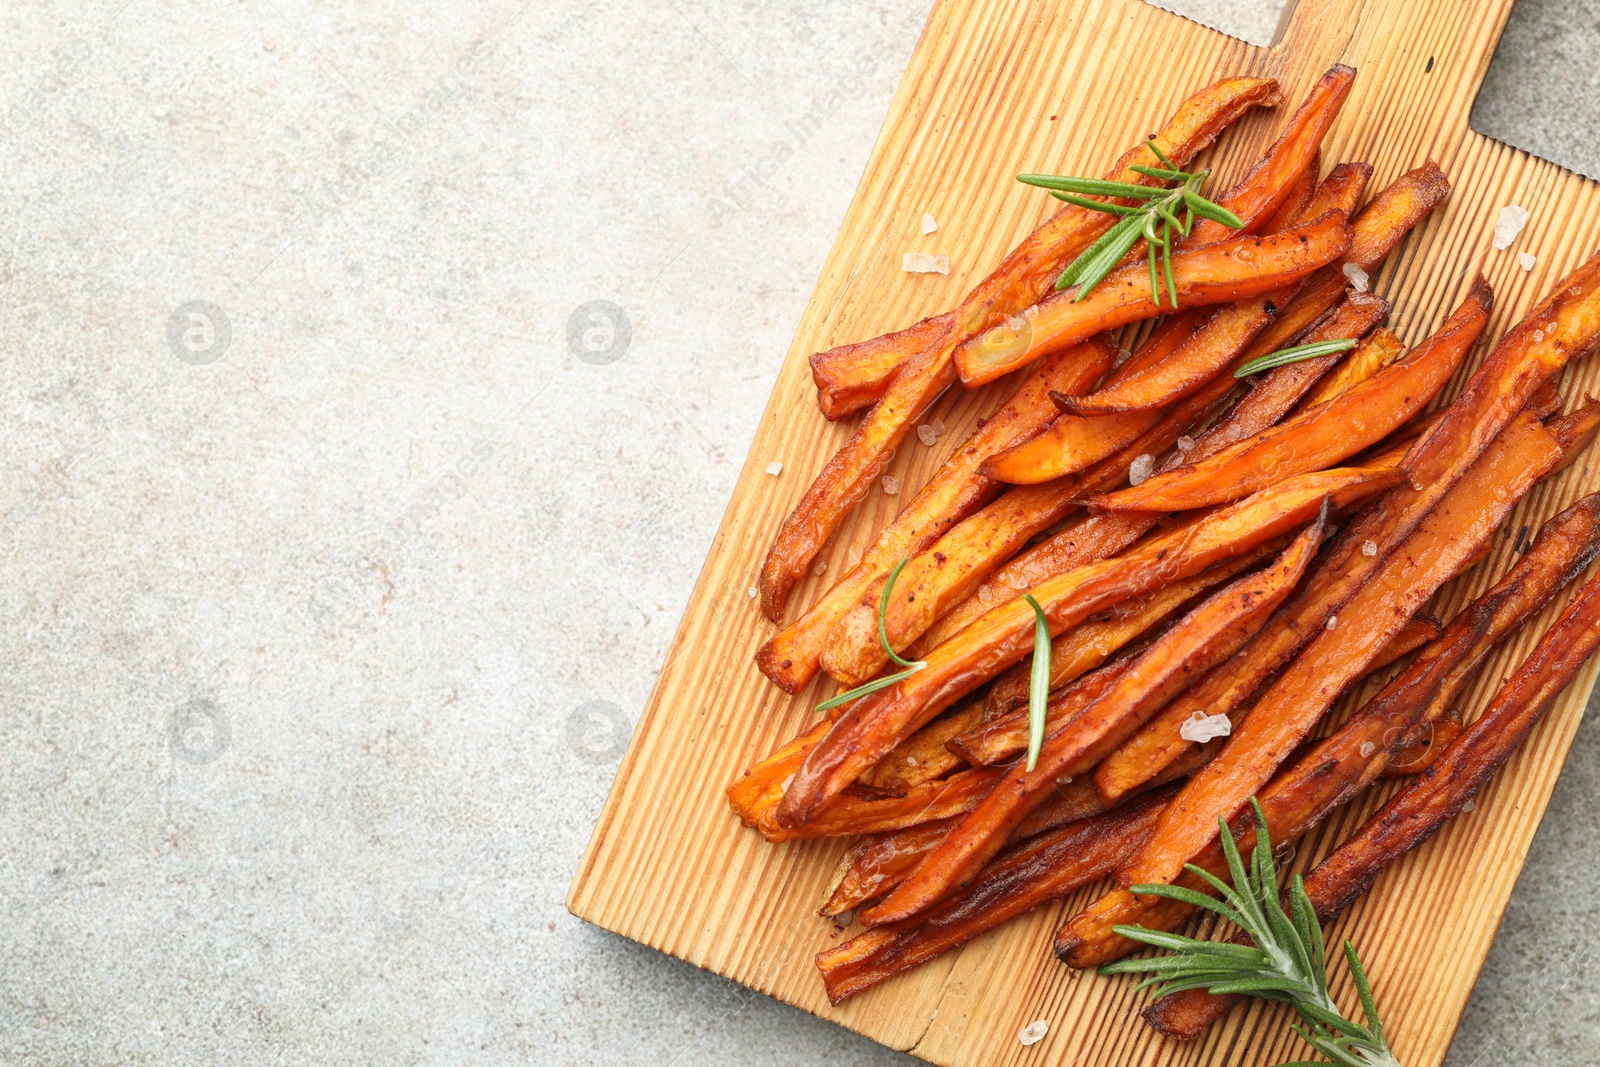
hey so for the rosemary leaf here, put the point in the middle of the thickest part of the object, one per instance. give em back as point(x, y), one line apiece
point(1215, 212)
point(869, 687)
point(1039, 681)
point(1093, 186)
point(1094, 205)
point(1284, 356)
point(911, 666)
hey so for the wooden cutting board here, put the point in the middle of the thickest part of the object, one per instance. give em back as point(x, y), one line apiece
point(997, 87)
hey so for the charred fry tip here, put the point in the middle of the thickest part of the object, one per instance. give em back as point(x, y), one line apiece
point(1063, 402)
point(1481, 293)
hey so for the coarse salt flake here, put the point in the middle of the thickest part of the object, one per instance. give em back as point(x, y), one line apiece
point(1469, 805)
point(774, 468)
point(937, 426)
point(821, 568)
point(912, 760)
point(985, 594)
point(1369, 548)
point(1333, 620)
point(1141, 468)
point(891, 485)
point(1185, 443)
point(1538, 337)
point(929, 225)
point(1508, 224)
point(1034, 1032)
point(925, 263)
point(1527, 260)
point(854, 555)
point(752, 592)
point(1201, 727)
point(845, 918)
point(926, 435)
point(1358, 277)
point(1368, 748)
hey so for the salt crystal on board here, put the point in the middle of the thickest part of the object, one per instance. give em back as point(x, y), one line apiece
point(1468, 806)
point(1201, 727)
point(1358, 277)
point(926, 435)
point(925, 263)
point(752, 592)
point(1034, 1032)
point(928, 223)
point(1526, 259)
point(891, 485)
point(1508, 224)
point(774, 468)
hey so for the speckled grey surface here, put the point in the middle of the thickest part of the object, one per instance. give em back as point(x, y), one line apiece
point(345, 531)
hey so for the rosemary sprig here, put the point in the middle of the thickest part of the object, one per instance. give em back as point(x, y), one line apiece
point(1038, 681)
point(1284, 356)
point(1155, 220)
point(911, 666)
point(1287, 962)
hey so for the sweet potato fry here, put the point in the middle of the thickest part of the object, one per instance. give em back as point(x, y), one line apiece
point(1200, 640)
point(1375, 232)
point(877, 864)
point(1044, 869)
point(1256, 196)
point(1466, 517)
point(1254, 200)
point(1085, 647)
point(851, 378)
point(1235, 269)
point(790, 658)
point(1564, 551)
point(1422, 748)
point(1384, 731)
point(958, 562)
point(1379, 350)
point(877, 722)
point(1277, 391)
point(1576, 431)
point(760, 788)
point(1222, 691)
point(1326, 434)
point(861, 813)
point(1028, 272)
point(1074, 442)
point(1160, 743)
point(1414, 814)
point(1098, 536)
point(924, 755)
point(1226, 334)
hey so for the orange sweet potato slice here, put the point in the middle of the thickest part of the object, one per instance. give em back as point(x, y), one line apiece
point(1201, 639)
point(877, 722)
point(1026, 274)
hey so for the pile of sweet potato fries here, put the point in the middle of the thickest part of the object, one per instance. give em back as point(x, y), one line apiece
point(1201, 545)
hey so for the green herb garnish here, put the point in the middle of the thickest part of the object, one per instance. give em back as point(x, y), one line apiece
point(1155, 220)
point(1287, 962)
point(1038, 681)
point(912, 666)
point(1285, 356)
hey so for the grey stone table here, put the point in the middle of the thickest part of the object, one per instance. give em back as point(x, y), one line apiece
point(332, 577)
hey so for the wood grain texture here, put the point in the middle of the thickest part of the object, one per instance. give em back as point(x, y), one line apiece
point(997, 87)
